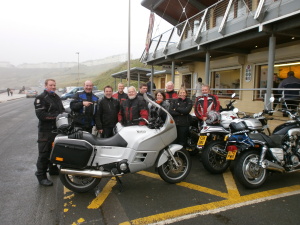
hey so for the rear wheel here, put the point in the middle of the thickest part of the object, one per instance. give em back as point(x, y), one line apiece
point(214, 157)
point(248, 172)
point(79, 184)
point(172, 174)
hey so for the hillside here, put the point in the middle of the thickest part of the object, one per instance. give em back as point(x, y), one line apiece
point(101, 75)
point(105, 78)
point(17, 77)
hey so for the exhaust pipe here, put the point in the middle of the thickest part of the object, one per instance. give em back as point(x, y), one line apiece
point(88, 173)
point(272, 166)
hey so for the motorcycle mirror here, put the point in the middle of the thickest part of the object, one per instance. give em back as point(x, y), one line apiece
point(233, 95)
point(235, 110)
point(272, 99)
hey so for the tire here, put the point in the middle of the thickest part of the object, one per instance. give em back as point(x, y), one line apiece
point(173, 175)
point(213, 162)
point(250, 174)
point(79, 184)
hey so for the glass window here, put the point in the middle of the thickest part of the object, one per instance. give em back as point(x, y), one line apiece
point(280, 73)
point(225, 79)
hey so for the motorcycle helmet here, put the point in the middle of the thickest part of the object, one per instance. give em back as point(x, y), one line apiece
point(62, 121)
point(213, 117)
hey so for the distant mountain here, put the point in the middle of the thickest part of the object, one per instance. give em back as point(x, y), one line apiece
point(17, 77)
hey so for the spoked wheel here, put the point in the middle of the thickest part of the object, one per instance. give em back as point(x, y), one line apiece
point(79, 184)
point(214, 157)
point(248, 172)
point(170, 173)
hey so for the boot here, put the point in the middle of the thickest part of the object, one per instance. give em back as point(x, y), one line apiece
point(43, 180)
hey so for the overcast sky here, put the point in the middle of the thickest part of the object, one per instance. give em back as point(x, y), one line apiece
point(34, 31)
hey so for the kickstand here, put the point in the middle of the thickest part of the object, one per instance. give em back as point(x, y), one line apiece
point(120, 184)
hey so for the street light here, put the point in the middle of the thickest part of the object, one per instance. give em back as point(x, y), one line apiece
point(78, 69)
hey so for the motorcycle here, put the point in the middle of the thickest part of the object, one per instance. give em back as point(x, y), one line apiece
point(85, 159)
point(209, 130)
point(259, 154)
point(215, 158)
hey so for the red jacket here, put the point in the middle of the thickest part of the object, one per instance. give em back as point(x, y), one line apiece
point(120, 97)
point(205, 104)
point(133, 109)
point(171, 95)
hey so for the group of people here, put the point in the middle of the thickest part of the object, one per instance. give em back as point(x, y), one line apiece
point(89, 111)
point(126, 108)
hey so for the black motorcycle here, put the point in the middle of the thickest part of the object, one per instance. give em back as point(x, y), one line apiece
point(259, 153)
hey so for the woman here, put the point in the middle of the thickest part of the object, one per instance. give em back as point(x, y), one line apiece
point(160, 98)
point(180, 109)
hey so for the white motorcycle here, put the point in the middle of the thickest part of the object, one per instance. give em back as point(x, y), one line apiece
point(84, 159)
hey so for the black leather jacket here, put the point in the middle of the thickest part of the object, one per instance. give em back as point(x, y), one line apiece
point(107, 113)
point(47, 107)
point(180, 110)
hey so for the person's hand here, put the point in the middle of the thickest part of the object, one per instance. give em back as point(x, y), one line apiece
point(204, 118)
point(86, 103)
point(100, 131)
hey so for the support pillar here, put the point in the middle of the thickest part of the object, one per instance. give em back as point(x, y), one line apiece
point(207, 66)
point(271, 60)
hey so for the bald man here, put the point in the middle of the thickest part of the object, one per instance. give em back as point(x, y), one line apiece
point(84, 107)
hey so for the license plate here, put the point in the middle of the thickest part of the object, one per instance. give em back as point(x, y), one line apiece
point(231, 155)
point(201, 141)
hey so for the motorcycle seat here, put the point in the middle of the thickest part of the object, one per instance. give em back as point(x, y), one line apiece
point(115, 140)
point(272, 141)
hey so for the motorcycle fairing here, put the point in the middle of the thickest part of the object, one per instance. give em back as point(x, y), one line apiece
point(164, 156)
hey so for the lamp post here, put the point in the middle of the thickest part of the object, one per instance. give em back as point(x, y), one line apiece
point(128, 64)
point(78, 69)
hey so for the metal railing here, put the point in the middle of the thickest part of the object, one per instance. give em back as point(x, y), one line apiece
point(213, 18)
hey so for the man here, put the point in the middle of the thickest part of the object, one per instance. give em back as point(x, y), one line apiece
point(107, 113)
point(170, 93)
point(132, 108)
point(198, 87)
point(143, 89)
point(120, 95)
point(47, 107)
point(291, 96)
point(205, 103)
point(149, 86)
point(84, 107)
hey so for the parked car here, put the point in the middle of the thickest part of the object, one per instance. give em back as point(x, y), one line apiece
point(31, 93)
point(66, 103)
point(71, 93)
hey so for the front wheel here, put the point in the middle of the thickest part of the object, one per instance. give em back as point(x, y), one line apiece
point(79, 184)
point(172, 174)
point(248, 172)
point(214, 157)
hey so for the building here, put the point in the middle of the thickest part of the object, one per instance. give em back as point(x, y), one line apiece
point(237, 46)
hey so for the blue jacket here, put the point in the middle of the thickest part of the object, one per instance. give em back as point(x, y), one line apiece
point(84, 116)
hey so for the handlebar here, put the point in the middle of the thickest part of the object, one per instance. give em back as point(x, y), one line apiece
point(140, 119)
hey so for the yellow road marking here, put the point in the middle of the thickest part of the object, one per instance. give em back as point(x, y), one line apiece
point(98, 201)
point(233, 192)
point(188, 185)
point(233, 197)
